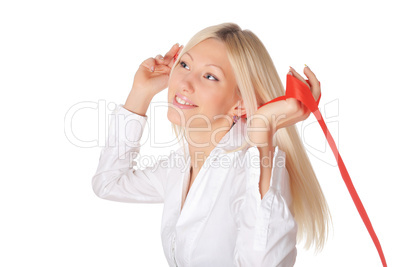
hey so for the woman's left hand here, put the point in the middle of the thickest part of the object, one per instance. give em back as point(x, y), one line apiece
point(269, 118)
point(301, 111)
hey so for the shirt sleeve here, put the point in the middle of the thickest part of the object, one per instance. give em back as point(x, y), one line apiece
point(267, 230)
point(116, 178)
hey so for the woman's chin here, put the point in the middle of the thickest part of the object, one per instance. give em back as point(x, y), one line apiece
point(175, 119)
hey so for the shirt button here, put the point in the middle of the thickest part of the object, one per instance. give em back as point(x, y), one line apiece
point(173, 243)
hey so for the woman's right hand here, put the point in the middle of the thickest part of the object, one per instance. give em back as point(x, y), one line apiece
point(151, 77)
point(153, 74)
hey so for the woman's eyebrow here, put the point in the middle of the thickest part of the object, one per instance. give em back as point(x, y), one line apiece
point(189, 55)
point(216, 66)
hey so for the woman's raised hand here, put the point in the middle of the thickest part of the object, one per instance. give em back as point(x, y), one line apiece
point(151, 77)
point(153, 74)
point(301, 112)
point(269, 118)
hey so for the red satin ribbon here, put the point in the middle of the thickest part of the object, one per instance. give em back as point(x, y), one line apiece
point(299, 90)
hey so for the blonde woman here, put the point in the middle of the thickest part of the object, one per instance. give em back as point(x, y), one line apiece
point(248, 192)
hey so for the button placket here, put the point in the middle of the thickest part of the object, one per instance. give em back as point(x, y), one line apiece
point(173, 250)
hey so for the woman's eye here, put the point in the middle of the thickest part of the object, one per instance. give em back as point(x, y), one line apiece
point(214, 78)
point(183, 64)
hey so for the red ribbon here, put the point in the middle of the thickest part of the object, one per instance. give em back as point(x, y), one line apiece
point(299, 90)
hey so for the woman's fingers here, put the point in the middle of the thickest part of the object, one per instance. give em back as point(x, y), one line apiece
point(175, 56)
point(149, 63)
point(298, 76)
point(162, 69)
point(315, 84)
point(152, 65)
point(155, 63)
point(159, 59)
point(168, 58)
point(170, 54)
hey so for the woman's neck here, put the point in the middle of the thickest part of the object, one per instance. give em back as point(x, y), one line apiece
point(201, 143)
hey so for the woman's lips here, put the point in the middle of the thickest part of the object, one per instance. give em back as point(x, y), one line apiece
point(185, 99)
point(181, 106)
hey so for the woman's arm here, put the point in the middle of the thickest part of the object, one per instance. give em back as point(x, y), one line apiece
point(269, 118)
point(115, 178)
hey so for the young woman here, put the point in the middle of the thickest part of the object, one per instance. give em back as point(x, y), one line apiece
point(248, 192)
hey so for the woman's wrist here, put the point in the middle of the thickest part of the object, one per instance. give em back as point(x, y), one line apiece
point(138, 102)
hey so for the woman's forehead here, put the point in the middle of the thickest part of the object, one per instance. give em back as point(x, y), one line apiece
point(211, 52)
point(209, 48)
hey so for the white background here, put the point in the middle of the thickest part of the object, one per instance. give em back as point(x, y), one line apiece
point(57, 54)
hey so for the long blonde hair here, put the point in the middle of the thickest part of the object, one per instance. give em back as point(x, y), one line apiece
point(259, 82)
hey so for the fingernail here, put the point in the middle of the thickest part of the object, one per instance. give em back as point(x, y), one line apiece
point(290, 69)
point(152, 69)
point(306, 66)
point(161, 58)
point(290, 73)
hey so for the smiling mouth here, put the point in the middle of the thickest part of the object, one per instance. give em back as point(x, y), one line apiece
point(177, 101)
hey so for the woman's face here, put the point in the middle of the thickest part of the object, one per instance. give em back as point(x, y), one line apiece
point(204, 78)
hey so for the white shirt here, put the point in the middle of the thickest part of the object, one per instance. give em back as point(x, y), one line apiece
point(223, 222)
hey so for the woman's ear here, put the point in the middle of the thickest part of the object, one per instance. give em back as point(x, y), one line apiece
point(239, 109)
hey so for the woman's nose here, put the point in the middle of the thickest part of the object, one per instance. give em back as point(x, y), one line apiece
point(187, 83)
